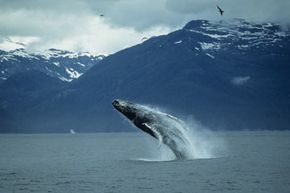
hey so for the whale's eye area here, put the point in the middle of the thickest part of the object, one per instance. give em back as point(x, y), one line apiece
point(116, 103)
point(126, 108)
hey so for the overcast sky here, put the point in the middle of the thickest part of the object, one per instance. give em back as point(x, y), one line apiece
point(76, 24)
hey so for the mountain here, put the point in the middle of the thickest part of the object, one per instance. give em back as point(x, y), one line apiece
point(227, 75)
point(23, 90)
point(61, 64)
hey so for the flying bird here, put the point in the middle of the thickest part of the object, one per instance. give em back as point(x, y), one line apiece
point(220, 10)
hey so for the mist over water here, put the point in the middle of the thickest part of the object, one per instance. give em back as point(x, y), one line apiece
point(205, 143)
point(198, 141)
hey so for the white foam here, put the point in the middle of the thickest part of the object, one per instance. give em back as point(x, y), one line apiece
point(198, 141)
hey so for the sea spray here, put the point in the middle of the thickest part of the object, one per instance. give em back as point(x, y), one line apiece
point(205, 142)
point(201, 142)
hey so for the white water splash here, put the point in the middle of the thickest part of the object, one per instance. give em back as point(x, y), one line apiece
point(205, 144)
point(201, 142)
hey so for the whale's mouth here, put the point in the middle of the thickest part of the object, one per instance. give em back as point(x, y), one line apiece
point(116, 103)
point(126, 108)
point(121, 106)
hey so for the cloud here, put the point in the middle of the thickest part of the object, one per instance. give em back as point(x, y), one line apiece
point(77, 25)
point(16, 42)
point(240, 80)
point(96, 36)
point(78, 32)
point(142, 14)
point(253, 10)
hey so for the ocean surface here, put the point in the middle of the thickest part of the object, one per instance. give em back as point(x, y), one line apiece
point(247, 161)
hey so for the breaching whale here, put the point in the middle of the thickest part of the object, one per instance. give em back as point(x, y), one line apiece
point(168, 129)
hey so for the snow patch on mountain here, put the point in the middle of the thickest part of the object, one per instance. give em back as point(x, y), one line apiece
point(209, 46)
point(209, 55)
point(240, 80)
point(178, 42)
point(73, 73)
point(237, 32)
point(62, 64)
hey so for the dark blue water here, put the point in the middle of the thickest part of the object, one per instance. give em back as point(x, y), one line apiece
point(124, 162)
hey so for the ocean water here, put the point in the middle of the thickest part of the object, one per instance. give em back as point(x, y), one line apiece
point(248, 161)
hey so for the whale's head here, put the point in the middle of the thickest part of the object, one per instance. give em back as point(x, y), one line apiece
point(138, 114)
point(130, 110)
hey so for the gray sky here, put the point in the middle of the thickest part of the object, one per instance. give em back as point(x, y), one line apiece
point(76, 24)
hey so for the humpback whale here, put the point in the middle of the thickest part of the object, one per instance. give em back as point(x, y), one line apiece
point(166, 128)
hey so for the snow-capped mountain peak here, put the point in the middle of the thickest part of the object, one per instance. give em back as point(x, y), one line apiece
point(238, 32)
point(62, 64)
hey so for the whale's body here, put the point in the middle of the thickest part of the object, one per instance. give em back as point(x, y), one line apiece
point(168, 129)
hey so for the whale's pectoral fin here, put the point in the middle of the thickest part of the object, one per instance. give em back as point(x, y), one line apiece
point(155, 132)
